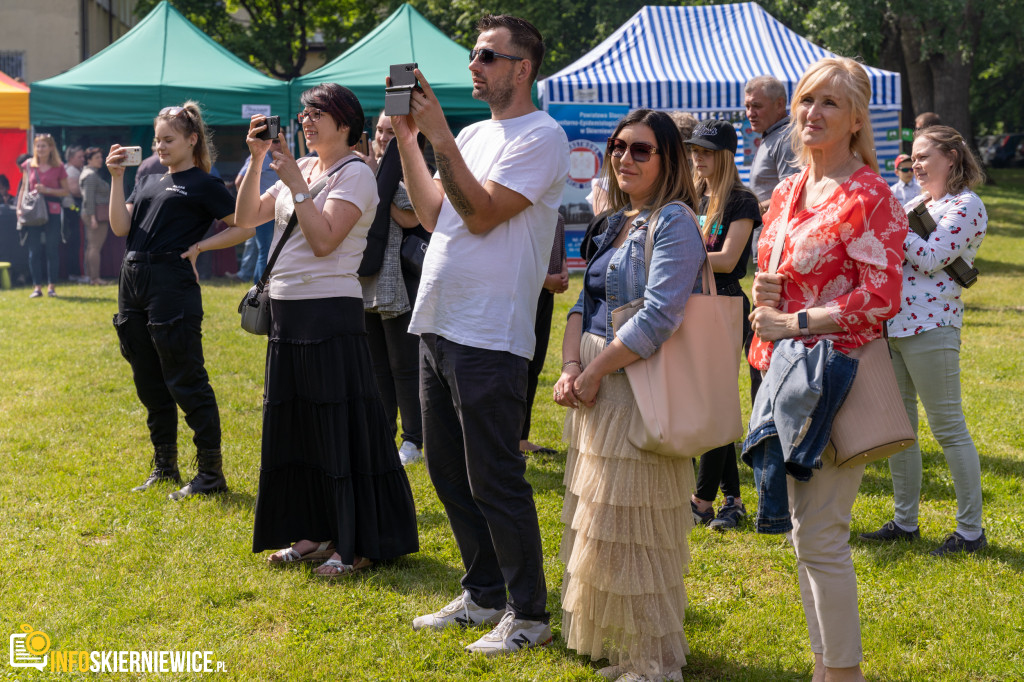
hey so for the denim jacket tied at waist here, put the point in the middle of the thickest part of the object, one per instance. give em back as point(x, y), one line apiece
point(675, 273)
point(791, 422)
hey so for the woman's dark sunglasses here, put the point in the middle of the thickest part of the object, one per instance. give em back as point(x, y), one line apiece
point(487, 56)
point(638, 151)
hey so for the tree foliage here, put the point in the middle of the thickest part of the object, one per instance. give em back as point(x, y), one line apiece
point(957, 57)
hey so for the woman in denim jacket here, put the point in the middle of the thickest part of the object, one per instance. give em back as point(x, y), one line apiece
point(626, 510)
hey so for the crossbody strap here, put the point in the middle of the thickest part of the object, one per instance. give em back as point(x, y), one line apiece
point(708, 273)
point(780, 241)
point(292, 222)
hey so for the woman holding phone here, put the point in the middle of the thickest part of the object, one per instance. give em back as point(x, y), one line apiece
point(331, 483)
point(159, 303)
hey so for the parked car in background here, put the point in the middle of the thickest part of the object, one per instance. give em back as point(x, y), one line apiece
point(1006, 151)
point(987, 147)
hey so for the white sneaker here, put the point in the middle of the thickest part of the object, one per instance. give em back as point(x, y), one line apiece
point(409, 453)
point(461, 611)
point(512, 634)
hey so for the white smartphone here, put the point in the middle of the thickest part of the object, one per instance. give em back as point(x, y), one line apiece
point(132, 156)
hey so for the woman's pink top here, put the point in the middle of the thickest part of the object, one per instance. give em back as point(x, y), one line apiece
point(51, 177)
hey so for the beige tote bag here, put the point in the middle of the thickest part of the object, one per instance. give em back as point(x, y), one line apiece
point(686, 393)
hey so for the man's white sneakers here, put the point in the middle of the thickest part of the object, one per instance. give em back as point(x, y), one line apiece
point(510, 635)
point(461, 611)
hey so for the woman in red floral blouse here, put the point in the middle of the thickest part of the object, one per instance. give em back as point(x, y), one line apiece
point(841, 268)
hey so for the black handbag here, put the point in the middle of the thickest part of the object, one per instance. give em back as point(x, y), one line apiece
point(255, 305)
point(414, 250)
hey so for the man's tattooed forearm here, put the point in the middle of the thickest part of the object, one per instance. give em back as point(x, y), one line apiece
point(459, 200)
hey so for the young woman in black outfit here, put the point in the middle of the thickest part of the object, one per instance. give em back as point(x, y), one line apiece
point(728, 212)
point(159, 303)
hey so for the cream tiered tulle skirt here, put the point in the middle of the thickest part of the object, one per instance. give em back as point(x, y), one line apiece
point(627, 518)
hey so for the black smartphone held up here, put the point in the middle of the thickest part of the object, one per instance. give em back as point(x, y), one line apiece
point(272, 130)
point(398, 94)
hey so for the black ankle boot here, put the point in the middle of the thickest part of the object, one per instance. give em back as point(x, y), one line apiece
point(209, 478)
point(165, 466)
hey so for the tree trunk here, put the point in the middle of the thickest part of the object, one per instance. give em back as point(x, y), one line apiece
point(919, 75)
point(890, 58)
point(951, 78)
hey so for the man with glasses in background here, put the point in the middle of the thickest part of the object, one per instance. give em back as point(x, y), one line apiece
point(492, 208)
point(906, 187)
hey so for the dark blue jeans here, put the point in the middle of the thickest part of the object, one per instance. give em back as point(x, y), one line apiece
point(474, 404)
point(763, 449)
point(34, 241)
point(160, 313)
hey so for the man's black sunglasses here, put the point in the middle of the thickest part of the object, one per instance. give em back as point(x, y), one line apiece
point(487, 56)
point(905, 170)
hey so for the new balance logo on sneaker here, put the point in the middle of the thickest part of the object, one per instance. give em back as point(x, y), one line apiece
point(521, 641)
point(512, 634)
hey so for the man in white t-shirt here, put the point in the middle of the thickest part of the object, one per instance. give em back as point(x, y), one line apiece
point(492, 207)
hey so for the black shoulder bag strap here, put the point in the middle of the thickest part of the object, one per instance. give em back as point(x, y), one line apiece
point(923, 224)
point(292, 222)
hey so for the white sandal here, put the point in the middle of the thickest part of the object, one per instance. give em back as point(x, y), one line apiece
point(342, 570)
point(289, 555)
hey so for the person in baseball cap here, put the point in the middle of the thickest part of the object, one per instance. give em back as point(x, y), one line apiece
point(905, 188)
point(714, 135)
point(728, 213)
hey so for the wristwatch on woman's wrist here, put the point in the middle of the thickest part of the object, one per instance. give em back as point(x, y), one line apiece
point(801, 322)
point(299, 198)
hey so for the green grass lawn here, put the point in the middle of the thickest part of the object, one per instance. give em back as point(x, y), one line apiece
point(98, 567)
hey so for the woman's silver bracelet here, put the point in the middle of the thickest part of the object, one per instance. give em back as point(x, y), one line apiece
point(567, 363)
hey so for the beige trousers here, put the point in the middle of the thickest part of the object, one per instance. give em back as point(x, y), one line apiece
point(821, 509)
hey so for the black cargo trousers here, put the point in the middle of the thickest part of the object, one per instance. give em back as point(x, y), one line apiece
point(159, 327)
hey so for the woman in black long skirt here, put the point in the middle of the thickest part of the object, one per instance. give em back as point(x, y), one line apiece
point(331, 483)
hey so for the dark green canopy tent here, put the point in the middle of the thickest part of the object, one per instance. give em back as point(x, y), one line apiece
point(406, 36)
point(163, 61)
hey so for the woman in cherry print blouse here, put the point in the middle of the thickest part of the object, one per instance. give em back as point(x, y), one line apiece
point(925, 337)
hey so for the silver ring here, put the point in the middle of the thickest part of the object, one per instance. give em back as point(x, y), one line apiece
point(558, 394)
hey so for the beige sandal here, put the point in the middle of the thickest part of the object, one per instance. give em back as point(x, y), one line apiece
point(289, 555)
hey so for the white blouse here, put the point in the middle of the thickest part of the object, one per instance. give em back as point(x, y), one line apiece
point(931, 298)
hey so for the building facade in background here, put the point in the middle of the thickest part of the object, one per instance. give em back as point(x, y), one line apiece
point(42, 38)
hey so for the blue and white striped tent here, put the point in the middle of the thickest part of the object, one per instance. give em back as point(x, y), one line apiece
point(696, 59)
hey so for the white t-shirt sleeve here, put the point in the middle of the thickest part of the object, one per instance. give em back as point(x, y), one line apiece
point(517, 168)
